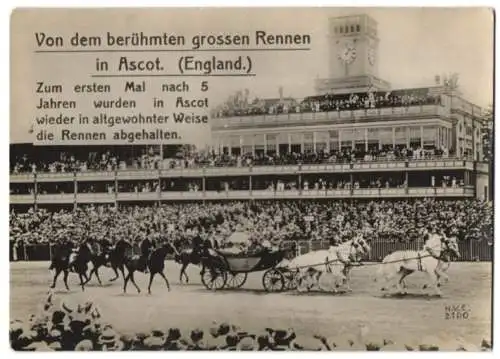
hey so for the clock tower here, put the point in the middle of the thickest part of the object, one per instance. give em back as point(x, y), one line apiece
point(353, 56)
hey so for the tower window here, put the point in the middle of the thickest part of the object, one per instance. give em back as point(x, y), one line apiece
point(336, 29)
point(346, 29)
point(352, 28)
point(358, 28)
point(341, 30)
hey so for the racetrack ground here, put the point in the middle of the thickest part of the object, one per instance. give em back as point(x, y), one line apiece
point(403, 319)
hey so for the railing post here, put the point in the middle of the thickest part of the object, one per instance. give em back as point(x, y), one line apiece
point(203, 183)
point(35, 191)
point(116, 188)
point(158, 191)
point(75, 191)
point(300, 179)
point(250, 169)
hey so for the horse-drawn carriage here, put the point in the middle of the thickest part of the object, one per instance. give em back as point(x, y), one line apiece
point(229, 268)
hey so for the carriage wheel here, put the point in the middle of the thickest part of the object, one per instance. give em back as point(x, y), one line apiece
point(236, 280)
point(273, 280)
point(216, 281)
point(291, 280)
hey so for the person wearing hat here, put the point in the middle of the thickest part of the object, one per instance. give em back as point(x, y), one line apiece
point(247, 343)
point(196, 340)
point(84, 346)
point(174, 340)
point(109, 340)
point(156, 340)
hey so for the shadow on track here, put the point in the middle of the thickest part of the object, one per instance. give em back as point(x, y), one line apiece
point(421, 296)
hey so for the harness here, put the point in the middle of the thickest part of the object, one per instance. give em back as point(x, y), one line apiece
point(419, 262)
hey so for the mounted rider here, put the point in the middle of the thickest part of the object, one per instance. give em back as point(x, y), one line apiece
point(75, 245)
point(199, 245)
point(146, 246)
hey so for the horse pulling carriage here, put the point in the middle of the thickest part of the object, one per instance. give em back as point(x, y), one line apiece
point(230, 270)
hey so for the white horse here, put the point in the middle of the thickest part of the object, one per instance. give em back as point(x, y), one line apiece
point(433, 260)
point(326, 269)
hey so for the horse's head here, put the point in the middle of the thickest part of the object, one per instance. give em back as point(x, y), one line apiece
point(359, 248)
point(450, 245)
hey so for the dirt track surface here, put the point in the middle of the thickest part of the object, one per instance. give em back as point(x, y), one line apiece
point(407, 319)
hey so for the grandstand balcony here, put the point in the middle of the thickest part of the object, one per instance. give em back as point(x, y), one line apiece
point(355, 167)
point(157, 196)
point(332, 117)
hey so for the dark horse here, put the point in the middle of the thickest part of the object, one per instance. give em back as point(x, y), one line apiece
point(198, 256)
point(60, 263)
point(155, 263)
point(187, 257)
point(113, 257)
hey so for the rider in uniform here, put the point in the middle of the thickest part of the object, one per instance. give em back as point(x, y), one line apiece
point(207, 243)
point(198, 243)
point(74, 242)
point(146, 248)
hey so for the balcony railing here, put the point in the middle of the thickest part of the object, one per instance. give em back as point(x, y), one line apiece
point(55, 198)
point(346, 116)
point(467, 191)
point(379, 165)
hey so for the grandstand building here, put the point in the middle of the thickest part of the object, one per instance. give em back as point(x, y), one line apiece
point(357, 137)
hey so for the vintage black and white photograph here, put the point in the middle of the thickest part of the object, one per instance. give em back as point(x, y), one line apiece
point(253, 179)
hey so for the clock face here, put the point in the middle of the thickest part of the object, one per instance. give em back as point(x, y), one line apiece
point(347, 54)
point(371, 56)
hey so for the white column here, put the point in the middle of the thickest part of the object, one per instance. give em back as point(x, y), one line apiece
point(302, 142)
point(277, 144)
point(422, 136)
point(407, 137)
point(366, 139)
point(314, 141)
point(241, 145)
point(265, 143)
point(393, 137)
point(340, 139)
point(289, 143)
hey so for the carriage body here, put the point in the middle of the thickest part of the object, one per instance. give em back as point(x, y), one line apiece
point(233, 268)
point(252, 262)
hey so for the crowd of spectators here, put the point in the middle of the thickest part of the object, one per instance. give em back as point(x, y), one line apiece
point(24, 164)
point(61, 325)
point(92, 161)
point(330, 102)
point(398, 221)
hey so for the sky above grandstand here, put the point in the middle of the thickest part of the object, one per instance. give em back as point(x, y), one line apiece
point(415, 45)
